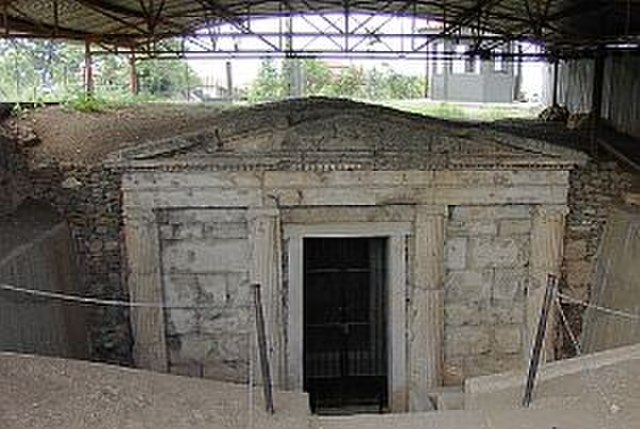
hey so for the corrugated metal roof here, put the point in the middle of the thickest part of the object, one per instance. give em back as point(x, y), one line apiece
point(129, 22)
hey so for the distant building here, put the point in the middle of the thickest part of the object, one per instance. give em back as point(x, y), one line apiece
point(469, 78)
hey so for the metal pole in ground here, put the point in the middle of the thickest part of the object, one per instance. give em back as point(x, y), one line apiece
point(540, 334)
point(262, 346)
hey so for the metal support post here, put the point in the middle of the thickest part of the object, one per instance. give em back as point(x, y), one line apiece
point(534, 362)
point(88, 69)
point(262, 347)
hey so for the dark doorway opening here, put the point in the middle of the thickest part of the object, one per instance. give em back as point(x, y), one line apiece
point(345, 344)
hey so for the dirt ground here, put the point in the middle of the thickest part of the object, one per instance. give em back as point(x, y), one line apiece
point(69, 136)
point(72, 136)
point(51, 393)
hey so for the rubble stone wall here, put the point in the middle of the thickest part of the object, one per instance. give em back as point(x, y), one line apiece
point(594, 190)
point(89, 198)
point(487, 258)
point(14, 180)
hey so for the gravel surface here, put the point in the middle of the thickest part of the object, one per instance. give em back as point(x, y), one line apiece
point(51, 393)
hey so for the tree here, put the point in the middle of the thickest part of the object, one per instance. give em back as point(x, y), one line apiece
point(269, 84)
point(355, 82)
point(31, 69)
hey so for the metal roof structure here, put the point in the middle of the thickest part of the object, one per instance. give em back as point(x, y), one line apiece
point(561, 26)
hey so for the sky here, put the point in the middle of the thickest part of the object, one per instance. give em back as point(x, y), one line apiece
point(213, 70)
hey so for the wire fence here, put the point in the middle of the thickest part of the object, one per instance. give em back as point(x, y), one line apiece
point(49, 345)
point(592, 379)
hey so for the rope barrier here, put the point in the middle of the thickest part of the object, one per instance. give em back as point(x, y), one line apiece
point(112, 302)
point(607, 310)
point(611, 405)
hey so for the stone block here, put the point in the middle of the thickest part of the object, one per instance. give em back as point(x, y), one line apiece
point(509, 284)
point(509, 227)
point(453, 371)
point(463, 315)
point(229, 370)
point(471, 228)
point(505, 312)
point(212, 289)
point(225, 230)
point(237, 291)
point(508, 339)
point(575, 250)
point(215, 320)
point(456, 253)
point(181, 322)
point(512, 211)
point(466, 340)
point(181, 289)
point(468, 286)
point(578, 273)
point(180, 231)
point(497, 252)
point(203, 215)
point(190, 349)
point(200, 257)
point(475, 366)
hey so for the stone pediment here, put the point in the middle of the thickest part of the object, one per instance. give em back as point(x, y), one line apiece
point(340, 134)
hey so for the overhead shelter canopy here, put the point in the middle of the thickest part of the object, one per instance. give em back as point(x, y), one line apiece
point(566, 25)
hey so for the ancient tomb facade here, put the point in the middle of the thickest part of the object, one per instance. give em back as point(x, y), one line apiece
point(394, 251)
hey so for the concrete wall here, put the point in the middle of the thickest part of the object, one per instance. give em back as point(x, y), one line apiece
point(38, 325)
point(621, 90)
point(480, 88)
point(616, 284)
point(487, 256)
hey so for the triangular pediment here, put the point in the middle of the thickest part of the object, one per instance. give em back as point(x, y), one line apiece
point(330, 131)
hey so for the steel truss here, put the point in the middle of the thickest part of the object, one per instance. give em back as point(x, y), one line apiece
point(330, 35)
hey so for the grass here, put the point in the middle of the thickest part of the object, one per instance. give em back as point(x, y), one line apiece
point(469, 112)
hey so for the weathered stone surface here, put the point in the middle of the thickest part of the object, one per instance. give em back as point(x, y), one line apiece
point(478, 365)
point(468, 286)
point(509, 284)
point(497, 252)
point(509, 227)
point(230, 255)
point(456, 253)
point(466, 340)
point(506, 312)
point(578, 272)
point(471, 227)
point(491, 212)
point(463, 315)
point(575, 250)
point(508, 339)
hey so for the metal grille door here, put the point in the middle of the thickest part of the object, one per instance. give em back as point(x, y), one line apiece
point(345, 363)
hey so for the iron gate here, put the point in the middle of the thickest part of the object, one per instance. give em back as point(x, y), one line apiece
point(345, 359)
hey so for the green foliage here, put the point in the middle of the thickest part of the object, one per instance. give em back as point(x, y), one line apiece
point(88, 104)
point(43, 70)
point(319, 79)
point(268, 85)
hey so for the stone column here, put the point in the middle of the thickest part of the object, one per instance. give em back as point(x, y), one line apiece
point(145, 285)
point(426, 313)
point(265, 268)
point(547, 234)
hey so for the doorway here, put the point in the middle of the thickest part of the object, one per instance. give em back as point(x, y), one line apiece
point(345, 324)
